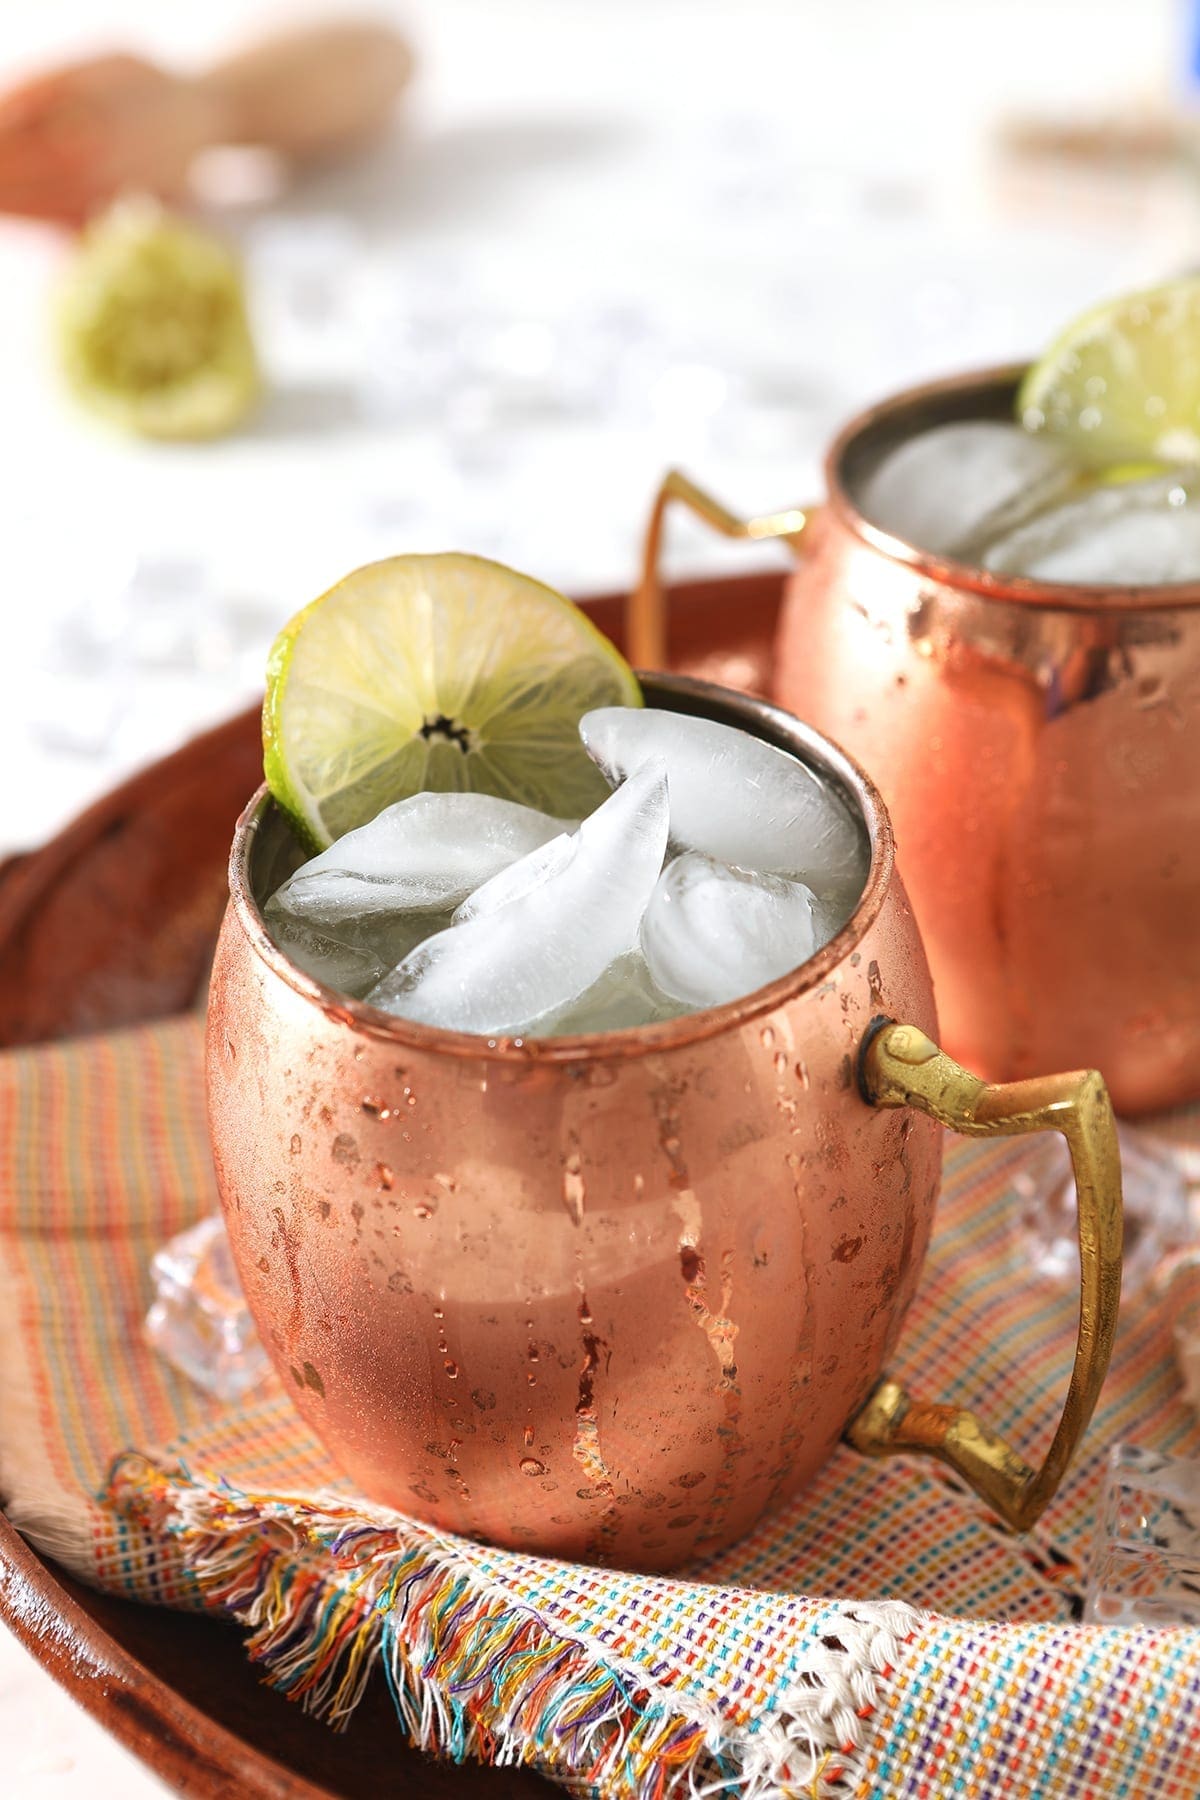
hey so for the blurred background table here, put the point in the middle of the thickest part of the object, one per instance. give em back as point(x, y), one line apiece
point(601, 239)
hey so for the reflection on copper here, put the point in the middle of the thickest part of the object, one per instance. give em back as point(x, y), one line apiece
point(1038, 747)
point(657, 1212)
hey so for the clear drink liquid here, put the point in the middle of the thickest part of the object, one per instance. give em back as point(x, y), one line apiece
point(718, 864)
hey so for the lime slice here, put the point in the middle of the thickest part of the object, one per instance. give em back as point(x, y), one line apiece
point(1122, 384)
point(435, 672)
point(153, 332)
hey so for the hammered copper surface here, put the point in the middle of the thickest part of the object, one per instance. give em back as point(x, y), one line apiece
point(609, 1298)
point(94, 937)
point(1038, 747)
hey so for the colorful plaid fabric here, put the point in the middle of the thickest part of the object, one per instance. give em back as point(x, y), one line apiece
point(947, 1659)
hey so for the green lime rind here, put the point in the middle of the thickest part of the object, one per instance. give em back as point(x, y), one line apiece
point(445, 672)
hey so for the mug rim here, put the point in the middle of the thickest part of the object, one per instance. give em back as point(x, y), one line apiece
point(930, 397)
point(786, 732)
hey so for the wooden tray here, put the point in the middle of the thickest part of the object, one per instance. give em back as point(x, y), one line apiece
point(113, 922)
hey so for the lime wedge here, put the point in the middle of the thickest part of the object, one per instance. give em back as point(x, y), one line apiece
point(1122, 384)
point(152, 326)
point(435, 672)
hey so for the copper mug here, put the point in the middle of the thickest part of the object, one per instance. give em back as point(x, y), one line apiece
point(1038, 746)
point(612, 1297)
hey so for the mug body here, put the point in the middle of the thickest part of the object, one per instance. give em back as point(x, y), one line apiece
point(606, 1297)
point(1038, 746)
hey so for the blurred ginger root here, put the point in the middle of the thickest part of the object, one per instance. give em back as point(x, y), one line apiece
point(74, 139)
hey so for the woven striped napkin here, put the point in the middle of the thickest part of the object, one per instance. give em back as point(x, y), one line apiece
point(945, 1659)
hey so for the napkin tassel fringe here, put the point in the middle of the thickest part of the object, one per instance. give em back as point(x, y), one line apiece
point(470, 1673)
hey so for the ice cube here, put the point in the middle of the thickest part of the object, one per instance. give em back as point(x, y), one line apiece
point(713, 933)
point(1125, 534)
point(356, 952)
point(1145, 1567)
point(945, 488)
point(199, 1321)
point(738, 799)
point(351, 968)
point(424, 854)
point(506, 969)
point(625, 996)
point(519, 879)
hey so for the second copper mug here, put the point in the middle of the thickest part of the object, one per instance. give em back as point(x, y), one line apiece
point(1038, 746)
point(613, 1296)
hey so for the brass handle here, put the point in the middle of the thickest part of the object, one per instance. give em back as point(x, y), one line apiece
point(899, 1066)
point(645, 613)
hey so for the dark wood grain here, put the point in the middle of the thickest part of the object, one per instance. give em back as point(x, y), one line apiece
point(113, 922)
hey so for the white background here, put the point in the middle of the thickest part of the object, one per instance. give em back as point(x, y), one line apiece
point(701, 232)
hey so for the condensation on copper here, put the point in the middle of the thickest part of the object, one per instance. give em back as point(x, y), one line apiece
point(693, 1125)
point(574, 1187)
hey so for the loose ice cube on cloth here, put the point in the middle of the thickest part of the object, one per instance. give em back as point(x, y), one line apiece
point(1127, 533)
point(712, 933)
point(424, 854)
point(506, 968)
point(941, 489)
point(738, 799)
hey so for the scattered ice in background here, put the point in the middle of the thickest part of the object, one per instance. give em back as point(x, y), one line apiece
point(68, 619)
point(498, 333)
point(1145, 1567)
point(304, 277)
point(199, 1321)
point(1156, 1192)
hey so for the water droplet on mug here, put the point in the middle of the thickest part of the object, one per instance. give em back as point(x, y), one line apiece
point(531, 1466)
point(574, 1188)
point(451, 1368)
point(767, 1036)
point(295, 1146)
point(344, 1150)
